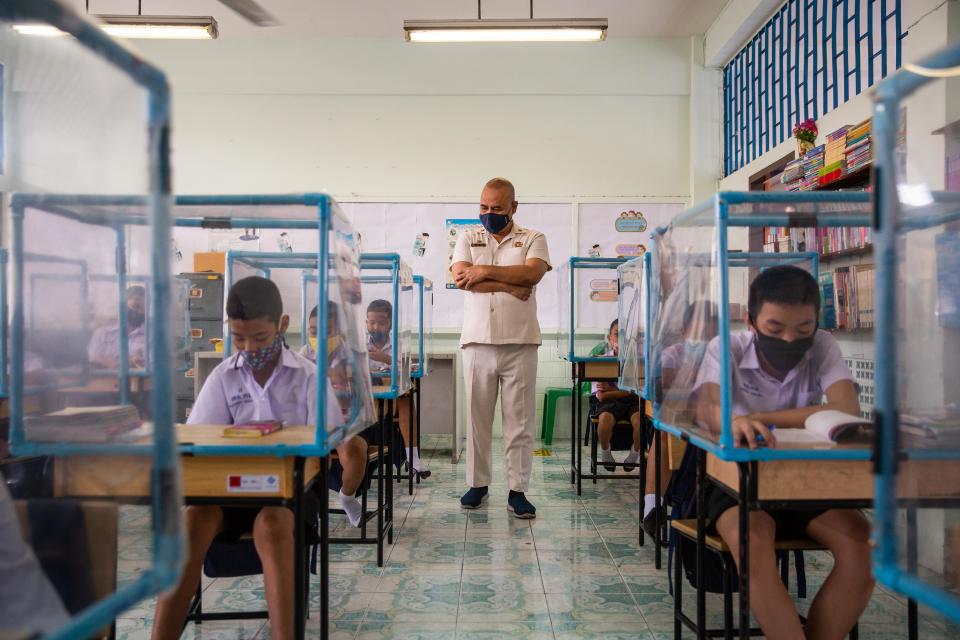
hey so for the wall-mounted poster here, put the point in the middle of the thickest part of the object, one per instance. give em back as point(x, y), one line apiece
point(455, 228)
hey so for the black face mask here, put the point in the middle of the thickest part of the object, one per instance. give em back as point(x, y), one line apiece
point(134, 318)
point(494, 222)
point(780, 354)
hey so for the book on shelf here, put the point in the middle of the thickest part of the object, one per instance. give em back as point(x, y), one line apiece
point(85, 424)
point(828, 312)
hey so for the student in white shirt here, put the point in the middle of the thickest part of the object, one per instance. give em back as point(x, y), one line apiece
point(104, 346)
point(263, 381)
point(380, 352)
point(613, 405)
point(782, 367)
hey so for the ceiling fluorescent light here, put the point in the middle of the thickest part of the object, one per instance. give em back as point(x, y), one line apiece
point(134, 26)
point(539, 30)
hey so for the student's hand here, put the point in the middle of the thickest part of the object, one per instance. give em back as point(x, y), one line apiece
point(467, 277)
point(520, 292)
point(747, 429)
point(603, 386)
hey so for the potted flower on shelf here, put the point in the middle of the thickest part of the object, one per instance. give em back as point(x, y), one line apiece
point(806, 135)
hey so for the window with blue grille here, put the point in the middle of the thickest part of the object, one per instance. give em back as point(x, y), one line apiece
point(812, 56)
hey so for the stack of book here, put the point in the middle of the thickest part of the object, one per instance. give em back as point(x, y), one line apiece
point(812, 163)
point(837, 239)
point(792, 174)
point(858, 151)
point(84, 424)
point(834, 156)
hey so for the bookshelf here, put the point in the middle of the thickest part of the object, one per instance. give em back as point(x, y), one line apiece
point(846, 255)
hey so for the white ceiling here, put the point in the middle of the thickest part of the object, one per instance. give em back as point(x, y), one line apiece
point(384, 18)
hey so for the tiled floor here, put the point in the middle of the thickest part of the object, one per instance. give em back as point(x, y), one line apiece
point(574, 572)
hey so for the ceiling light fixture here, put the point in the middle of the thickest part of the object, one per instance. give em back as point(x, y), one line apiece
point(528, 30)
point(149, 27)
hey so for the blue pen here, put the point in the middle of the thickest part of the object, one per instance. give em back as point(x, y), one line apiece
point(760, 439)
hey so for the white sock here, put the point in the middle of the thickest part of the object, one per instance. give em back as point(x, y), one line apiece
point(633, 456)
point(607, 450)
point(417, 463)
point(353, 508)
point(649, 502)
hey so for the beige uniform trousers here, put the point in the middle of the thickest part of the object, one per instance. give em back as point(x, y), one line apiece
point(510, 369)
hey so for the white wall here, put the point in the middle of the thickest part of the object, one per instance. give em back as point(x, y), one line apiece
point(377, 119)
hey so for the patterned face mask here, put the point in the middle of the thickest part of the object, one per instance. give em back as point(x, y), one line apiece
point(260, 358)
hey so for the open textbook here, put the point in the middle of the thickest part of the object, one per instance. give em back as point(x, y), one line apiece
point(828, 426)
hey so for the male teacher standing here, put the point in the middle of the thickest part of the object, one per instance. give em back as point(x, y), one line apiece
point(498, 268)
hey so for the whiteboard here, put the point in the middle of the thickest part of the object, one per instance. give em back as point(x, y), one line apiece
point(394, 228)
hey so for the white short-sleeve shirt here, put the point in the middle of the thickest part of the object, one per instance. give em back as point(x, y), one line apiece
point(231, 395)
point(104, 346)
point(756, 391)
point(500, 318)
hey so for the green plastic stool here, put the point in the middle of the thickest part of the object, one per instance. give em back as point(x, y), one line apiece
point(549, 414)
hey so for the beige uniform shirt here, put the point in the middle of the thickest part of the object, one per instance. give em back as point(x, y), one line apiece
point(500, 318)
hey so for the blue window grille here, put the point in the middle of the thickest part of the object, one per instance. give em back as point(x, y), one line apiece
point(809, 58)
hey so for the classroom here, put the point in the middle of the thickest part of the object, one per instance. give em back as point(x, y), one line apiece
point(638, 319)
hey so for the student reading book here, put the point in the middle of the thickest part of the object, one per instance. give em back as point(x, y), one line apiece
point(783, 366)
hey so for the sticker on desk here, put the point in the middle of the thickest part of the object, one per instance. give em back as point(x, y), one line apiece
point(196, 292)
point(253, 484)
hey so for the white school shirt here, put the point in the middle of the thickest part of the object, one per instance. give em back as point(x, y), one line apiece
point(500, 318)
point(231, 395)
point(375, 365)
point(307, 352)
point(104, 346)
point(756, 391)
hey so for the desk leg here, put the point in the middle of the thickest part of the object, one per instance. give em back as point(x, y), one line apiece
point(657, 501)
point(913, 621)
point(574, 409)
point(745, 481)
point(701, 542)
point(643, 465)
point(299, 561)
point(324, 548)
point(414, 396)
point(579, 432)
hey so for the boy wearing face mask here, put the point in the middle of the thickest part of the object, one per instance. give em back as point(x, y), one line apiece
point(264, 380)
point(104, 346)
point(782, 368)
point(613, 404)
point(380, 352)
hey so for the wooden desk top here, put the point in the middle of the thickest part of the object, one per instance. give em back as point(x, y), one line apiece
point(109, 384)
point(221, 476)
point(601, 370)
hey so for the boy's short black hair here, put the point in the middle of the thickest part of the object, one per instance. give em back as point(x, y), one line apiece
point(615, 322)
point(704, 308)
point(254, 297)
point(136, 290)
point(381, 306)
point(313, 313)
point(783, 284)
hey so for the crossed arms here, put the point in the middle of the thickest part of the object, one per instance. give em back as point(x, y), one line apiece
point(517, 280)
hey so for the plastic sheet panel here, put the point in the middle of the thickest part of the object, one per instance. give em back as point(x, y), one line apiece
point(390, 301)
point(344, 400)
point(917, 523)
point(85, 157)
point(421, 364)
point(634, 316)
point(587, 295)
point(701, 277)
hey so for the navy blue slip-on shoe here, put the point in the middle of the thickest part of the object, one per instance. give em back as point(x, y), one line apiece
point(520, 507)
point(473, 498)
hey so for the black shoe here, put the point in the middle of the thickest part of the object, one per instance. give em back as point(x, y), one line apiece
point(650, 521)
point(473, 498)
point(520, 507)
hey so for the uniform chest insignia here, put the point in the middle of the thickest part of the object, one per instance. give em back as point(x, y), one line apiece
point(518, 243)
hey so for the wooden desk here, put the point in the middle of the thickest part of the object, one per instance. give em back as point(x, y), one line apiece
point(218, 480)
point(601, 370)
point(203, 476)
